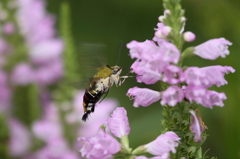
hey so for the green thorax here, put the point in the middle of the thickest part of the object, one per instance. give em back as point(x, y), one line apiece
point(104, 73)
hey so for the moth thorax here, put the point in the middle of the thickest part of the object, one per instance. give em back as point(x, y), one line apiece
point(116, 70)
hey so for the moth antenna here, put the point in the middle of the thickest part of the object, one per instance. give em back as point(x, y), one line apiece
point(119, 52)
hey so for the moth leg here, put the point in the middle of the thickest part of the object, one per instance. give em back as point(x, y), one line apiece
point(120, 82)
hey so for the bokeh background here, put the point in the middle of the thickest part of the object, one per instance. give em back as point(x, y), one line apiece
point(106, 23)
point(109, 22)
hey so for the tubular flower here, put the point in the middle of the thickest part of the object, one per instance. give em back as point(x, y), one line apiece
point(173, 75)
point(207, 76)
point(172, 96)
point(197, 125)
point(99, 146)
point(163, 144)
point(204, 97)
point(118, 123)
point(212, 49)
point(143, 96)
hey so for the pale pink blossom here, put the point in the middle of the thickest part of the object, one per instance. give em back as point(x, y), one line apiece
point(172, 96)
point(213, 48)
point(204, 97)
point(173, 75)
point(118, 123)
point(99, 146)
point(143, 96)
point(162, 31)
point(8, 28)
point(163, 144)
point(20, 139)
point(189, 36)
point(169, 52)
point(207, 76)
point(55, 149)
point(22, 74)
point(101, 114)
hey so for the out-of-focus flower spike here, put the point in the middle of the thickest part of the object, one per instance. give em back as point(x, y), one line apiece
point(213, 48)
point(197, 126)
point(143, 96)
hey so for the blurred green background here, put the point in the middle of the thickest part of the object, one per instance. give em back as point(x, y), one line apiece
point(108, 22)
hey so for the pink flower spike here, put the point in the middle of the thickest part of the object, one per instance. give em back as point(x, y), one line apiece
point(212, 49)
point(99, 146)
point(189, 36)
point(173, 75)
point(197, 126)
point(163, 144)
point(118, 123)
point(143, 96)
point(172, 96)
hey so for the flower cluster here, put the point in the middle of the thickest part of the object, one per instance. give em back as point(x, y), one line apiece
point(104, 146)
point(36, 26)
point(159, 60)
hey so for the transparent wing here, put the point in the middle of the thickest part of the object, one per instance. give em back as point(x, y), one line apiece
point(91, 56)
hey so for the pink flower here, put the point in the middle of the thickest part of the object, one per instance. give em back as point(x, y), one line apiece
point(99, 146)
point(212, 49)
point(118, 123)
point(143, 96)
point(49, 72)
point(152, 59)
point(148, 73)
point(45, 49)
point(22, 74)
point(163, 144)
point(197, 126)
point(212, 98)
point(172, 96)
point(162, 31)
point(169, 52)
point(8, 28)
point(100, 116)
point(55, 149)
point(204, 97)
point(19, 138)
point(189, 36)
point(173, 75)
point(207, 76)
